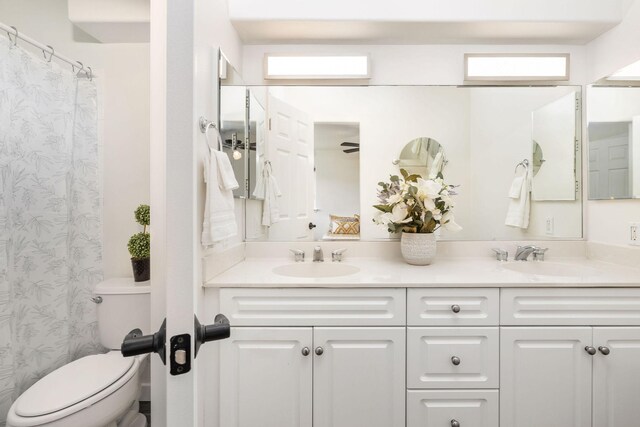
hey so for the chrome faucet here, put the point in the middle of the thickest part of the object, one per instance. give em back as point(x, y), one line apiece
point(523, 252)
point(318, 256)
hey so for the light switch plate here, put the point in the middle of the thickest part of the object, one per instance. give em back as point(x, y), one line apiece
point(548, 226)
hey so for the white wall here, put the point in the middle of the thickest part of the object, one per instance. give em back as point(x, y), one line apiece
point(123, 76)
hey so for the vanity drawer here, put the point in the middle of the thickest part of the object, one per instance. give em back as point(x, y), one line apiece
point(613, 306)
point(314, 307)
point(470, 408)
point(453, 307)
point(453, 357)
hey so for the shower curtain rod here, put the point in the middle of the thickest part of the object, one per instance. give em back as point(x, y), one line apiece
point(48, 52)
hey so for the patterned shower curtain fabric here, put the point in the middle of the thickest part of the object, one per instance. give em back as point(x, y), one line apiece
point(50, 219)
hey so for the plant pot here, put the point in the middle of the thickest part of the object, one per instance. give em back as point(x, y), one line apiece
point(418, 248)
point(141, 269)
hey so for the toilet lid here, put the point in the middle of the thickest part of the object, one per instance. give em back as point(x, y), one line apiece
point(72, 383)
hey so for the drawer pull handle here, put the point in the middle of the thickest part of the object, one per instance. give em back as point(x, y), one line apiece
point(604, 350)
point(306, 351)
point(455, 360)
point(590, 350)
point(455, 308)
point(319, 351)
point(455, 423)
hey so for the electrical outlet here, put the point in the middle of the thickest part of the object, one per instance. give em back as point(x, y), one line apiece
point(548, 226)
point(634, 233)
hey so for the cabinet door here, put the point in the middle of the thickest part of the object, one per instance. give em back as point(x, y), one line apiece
point(616, 377)
point(265, 379)
point(358, 380)
point(545, 377)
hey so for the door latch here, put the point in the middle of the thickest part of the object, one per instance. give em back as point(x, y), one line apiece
point(179, 345)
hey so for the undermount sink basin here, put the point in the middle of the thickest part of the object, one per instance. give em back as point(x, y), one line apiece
point(316, 270)
point(550, 269)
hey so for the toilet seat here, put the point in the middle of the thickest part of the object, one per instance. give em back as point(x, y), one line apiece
point(74, 387)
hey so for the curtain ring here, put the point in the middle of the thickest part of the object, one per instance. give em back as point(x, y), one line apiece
point(44, 53)
point(90, 74)
point(14, 41)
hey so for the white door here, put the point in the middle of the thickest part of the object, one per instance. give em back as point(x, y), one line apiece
point(290, 151)
point(616, 377)
point(609, 160)
point(359, 377)
point(545, 377)
point(265, 378)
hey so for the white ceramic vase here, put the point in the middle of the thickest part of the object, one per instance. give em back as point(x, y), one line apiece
point(418, 248)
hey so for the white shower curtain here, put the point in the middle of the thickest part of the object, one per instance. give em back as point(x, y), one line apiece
point(50, 219)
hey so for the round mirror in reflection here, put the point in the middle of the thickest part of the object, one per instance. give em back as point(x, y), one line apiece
point(423, 156)
point(538, 158)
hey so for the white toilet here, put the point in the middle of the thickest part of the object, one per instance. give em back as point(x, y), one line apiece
point(100, 390)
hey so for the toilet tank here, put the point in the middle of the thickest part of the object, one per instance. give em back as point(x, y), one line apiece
point(122, 305)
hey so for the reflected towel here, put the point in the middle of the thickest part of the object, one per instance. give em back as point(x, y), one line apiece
point(219, 212)
point(520, 201)
point(267, 189)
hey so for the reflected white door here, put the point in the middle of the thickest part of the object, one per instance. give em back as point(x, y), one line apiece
point(290, 151)
point(265, 378)
point(616, 377)
point(609, 166)
point(359, 377)
point(545, 377)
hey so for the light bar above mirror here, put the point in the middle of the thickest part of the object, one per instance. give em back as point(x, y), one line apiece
point(516, 67)
point(316, 67)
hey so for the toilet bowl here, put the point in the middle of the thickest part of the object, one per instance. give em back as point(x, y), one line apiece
point(100, 390)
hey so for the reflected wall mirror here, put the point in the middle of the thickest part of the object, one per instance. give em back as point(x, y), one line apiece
point(614, 142)
point(324, 149)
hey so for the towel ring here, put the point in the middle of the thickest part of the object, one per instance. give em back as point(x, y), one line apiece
point(205, 125)
point(524, 164)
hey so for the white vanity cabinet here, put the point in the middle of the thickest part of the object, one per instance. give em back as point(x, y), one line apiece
point(311, 372)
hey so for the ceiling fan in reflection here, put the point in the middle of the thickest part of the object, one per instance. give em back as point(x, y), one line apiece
point(356, 146)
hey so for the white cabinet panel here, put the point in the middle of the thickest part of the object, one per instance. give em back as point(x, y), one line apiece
point(545, 377)
point(358, 381)
point(453, 357)
point(578, 307)
point(265, 380)
point(314, 307)
point(453, 307)
point(616, 380)
point(440, 408)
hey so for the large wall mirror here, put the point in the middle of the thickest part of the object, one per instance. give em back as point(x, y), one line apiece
point(317, 154)
point(614, 142)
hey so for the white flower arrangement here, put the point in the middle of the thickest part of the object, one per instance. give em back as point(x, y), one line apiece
point(412, 204)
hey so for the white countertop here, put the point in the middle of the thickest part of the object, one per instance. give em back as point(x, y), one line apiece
point(444, 272)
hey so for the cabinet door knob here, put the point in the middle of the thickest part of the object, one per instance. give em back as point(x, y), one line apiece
point(306, 351)
point(455, 308)
point(604, 350)
point(319, 351)
point(455, 360)
point(455, 423)
point(590, 350)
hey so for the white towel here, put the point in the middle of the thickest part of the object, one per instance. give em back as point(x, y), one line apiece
point(268, 190)
point(520, 201)
point(219, 212)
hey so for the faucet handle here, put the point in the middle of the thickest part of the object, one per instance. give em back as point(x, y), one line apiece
point(538, 254)
point(501, 254)
point(298, 254)
point(336, 256)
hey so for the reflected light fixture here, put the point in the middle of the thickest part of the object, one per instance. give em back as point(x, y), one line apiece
point(516, 67)
point(316, 67)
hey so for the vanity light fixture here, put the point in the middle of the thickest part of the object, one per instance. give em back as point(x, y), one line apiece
point(628, 73)
point(516, 67)
point(316, 67)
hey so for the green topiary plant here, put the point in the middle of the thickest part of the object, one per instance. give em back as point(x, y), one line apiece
point(140, 243)
point(140, 246)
